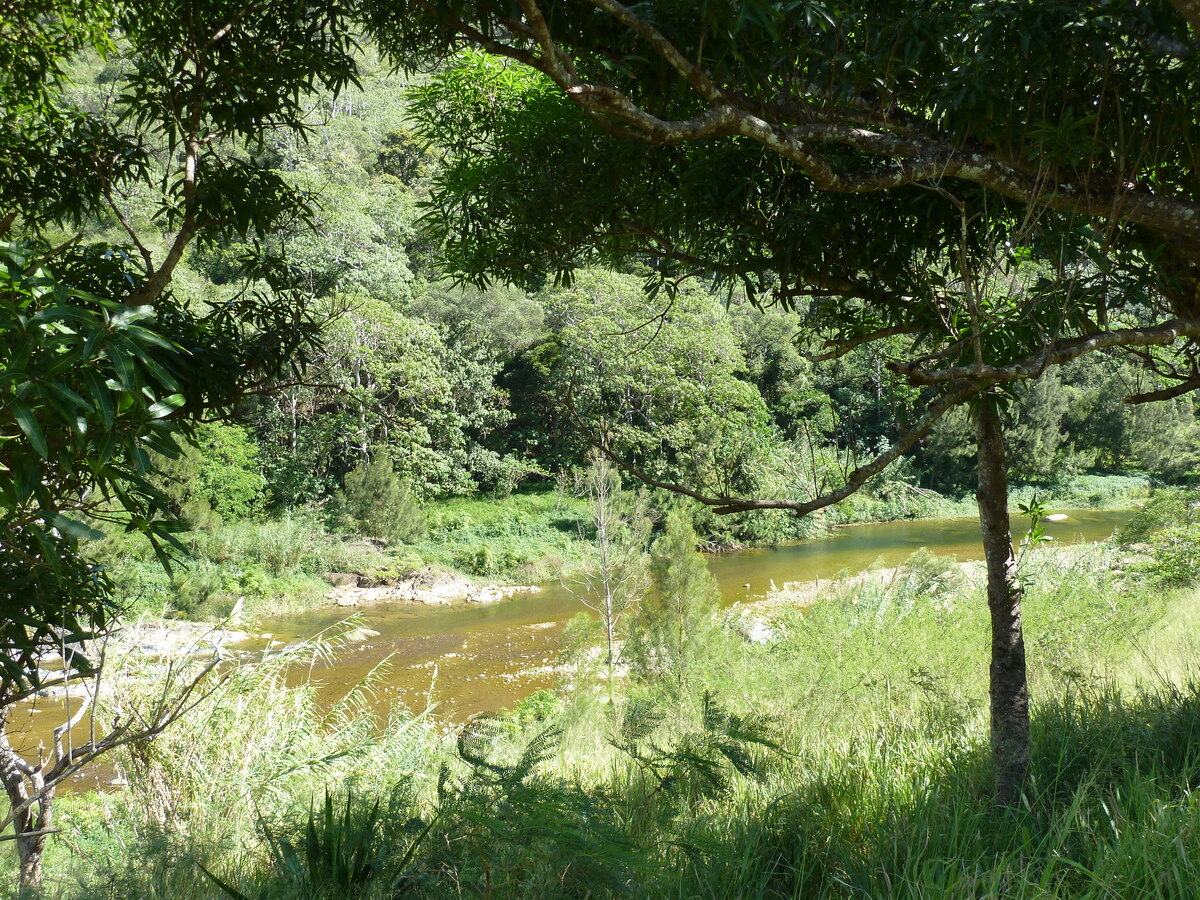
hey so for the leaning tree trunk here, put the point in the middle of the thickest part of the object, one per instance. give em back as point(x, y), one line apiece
point(1009, 687)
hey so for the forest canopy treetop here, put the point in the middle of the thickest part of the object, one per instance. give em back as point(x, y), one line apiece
point(1074, 105)
point(862, 152)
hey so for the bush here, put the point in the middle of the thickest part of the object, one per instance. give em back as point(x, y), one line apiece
point(292, 545)
point(1165, 509)
point(219, 478)
point(1174, 558)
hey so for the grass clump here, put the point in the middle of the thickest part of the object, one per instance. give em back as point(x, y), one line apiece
point(273, 566)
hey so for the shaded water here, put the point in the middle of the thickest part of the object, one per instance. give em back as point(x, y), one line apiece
point(469, 658)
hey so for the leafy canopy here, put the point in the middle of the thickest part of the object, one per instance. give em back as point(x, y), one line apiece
point(102, 365)
point(1007, 185)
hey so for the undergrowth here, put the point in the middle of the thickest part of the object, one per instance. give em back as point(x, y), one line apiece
point(274, 567)
point(845, 757)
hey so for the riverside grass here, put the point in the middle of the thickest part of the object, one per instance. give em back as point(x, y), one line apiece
point(276, 566)
point(880, 788)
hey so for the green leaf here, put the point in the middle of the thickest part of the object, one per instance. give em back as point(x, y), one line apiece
point(102, 397)
point(123, 367)
point(228, 889)
point(67, 394)
point(166, 406)
point(29, 424)
point(127, 315)
point(78, 530)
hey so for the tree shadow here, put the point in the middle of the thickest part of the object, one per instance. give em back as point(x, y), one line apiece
point(1110, 810)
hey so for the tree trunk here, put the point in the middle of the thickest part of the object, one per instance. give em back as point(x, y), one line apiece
point(1009, 687)
point(22, 781)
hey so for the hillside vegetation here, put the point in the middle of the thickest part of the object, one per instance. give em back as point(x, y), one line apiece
point(434, 424)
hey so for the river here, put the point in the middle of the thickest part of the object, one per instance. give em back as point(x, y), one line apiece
point(468, 658)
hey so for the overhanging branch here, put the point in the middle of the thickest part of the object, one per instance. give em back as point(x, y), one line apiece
point(908, 155)
point(1035, 364)
point(1178, 390)
point(726, 504)
point(838, 349)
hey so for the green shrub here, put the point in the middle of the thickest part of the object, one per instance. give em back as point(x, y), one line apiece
point(218, 478)
point(197, 590)
point(538, 707)
point(376, 503)
point(294, 544)
point(339, 850)
point(1174, 557)
point(484, 560)
point(1166, 508)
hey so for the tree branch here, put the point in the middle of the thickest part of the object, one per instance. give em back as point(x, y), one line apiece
point(918, 155)
point(841, 348)
point(695, 75)
point(725, 504)
point(229, 25)
point(143, 251)
point(1170, 393)
point(1055, 354)
point(558, 64)
point(491, 45)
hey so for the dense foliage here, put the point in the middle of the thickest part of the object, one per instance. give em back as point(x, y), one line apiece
point(252, 294)
point(477, 391)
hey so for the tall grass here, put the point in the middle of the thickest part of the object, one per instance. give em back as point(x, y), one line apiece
point(249, 759)
point(845, 758)
point(275, 567)
point(528, 537)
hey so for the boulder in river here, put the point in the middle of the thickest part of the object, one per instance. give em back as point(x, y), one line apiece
point(490, 593)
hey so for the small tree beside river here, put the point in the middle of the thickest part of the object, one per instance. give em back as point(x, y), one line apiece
point(615, 579)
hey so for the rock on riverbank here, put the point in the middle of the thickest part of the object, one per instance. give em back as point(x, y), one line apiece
point(427, 585)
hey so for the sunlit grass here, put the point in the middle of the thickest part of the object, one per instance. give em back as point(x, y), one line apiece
point(874, 698)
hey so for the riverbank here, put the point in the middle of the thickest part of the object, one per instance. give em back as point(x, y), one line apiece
point(860, 727)
point(471, 659)
point(279, 567)
point(892, 501)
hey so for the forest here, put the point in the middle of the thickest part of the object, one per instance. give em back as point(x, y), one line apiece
point(308, 305)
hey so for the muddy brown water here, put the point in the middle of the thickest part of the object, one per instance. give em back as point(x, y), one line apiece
point(465, 658)
point(468, 658)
